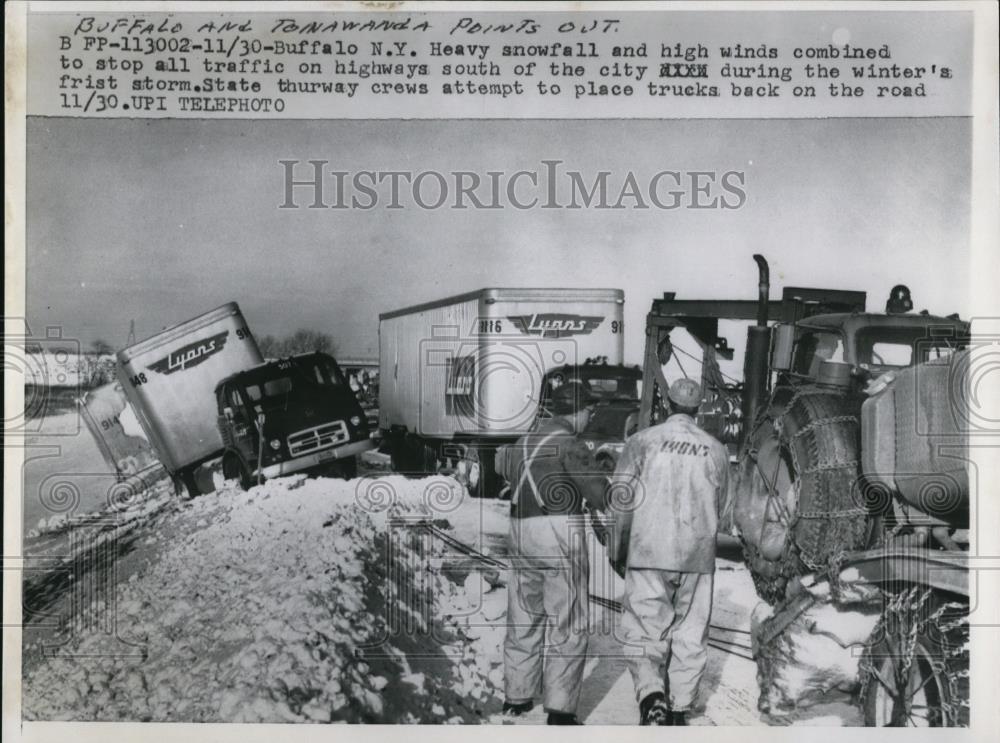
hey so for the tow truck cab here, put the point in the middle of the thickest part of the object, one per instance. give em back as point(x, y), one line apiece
point(295, 414)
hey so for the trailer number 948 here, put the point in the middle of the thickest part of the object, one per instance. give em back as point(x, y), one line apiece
point(139, 379)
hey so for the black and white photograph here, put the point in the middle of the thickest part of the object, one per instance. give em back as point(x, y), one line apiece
point(500, 364)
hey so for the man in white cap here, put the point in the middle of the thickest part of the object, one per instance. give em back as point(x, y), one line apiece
point(665, 497)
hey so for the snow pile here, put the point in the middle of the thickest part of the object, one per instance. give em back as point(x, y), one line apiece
point(808, 648)
point(298, 601)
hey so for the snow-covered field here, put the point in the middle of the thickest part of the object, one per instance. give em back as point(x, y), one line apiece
point(55, 368)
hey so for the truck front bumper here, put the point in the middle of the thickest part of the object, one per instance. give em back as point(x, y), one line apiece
point(316, 459)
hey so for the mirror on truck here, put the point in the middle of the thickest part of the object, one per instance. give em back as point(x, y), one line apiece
point(782, 342)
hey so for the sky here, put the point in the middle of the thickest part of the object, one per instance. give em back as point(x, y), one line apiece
point(157, 221)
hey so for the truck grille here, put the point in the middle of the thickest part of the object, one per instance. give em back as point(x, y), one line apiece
point(320, 437)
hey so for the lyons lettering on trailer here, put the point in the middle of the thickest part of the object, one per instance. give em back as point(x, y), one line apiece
point(556, 324)
point(190, 355)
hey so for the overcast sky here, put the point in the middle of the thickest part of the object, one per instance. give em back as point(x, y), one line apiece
point(158, 221)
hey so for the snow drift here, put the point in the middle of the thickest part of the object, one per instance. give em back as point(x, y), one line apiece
point(298, 601)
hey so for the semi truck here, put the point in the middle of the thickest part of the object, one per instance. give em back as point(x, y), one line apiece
point(296, 414)
point(462, 375)
point(170, 380)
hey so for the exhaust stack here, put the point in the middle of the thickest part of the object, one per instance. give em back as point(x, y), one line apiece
point(763, 289)
point(756, 375)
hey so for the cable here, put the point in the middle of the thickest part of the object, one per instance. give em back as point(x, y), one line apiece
point(681, 367)
point(611, 604)
point(695, 358)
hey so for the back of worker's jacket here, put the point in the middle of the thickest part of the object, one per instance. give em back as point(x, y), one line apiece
point(535, 468)
point(665, 497)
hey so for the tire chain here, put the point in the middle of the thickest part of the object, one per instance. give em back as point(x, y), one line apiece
point(908, 607)
point(794, 555)
point(840, 532)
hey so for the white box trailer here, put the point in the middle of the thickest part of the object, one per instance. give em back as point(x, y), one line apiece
point(469, 369)
point(170, 381)
point(116, 431)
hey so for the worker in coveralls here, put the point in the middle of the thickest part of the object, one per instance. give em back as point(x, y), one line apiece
point(547, 612)
point(665, 497)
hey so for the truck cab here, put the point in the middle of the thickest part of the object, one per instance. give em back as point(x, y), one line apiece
point(296, 414)
point(864, 345)
point(602, 381)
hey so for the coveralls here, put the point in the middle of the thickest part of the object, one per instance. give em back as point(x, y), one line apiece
point(547, 590)
point(665, 535)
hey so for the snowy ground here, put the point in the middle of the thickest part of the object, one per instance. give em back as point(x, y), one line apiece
point(297, 601)
point(319, 600)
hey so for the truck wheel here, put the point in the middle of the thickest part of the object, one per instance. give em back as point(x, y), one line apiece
point(233, 468)
point(409, 455)
point(179, 490)
point(190, 482)
point(483, 479)
point(915, 672)
point(348, 468)
point(797, 496)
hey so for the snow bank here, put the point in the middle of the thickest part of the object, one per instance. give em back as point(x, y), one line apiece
point(299, 601)
point(808, 648)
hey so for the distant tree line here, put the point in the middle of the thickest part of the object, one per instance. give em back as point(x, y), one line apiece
point(302, 340)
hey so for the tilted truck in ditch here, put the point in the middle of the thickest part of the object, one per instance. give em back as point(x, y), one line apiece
point(464, 375)
point(849, 428)
point(170, 380)
point(202, 391)
point(296, 414)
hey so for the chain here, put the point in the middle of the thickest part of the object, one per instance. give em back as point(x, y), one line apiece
point(835, 564)
point(904, 611)
point(810, 427)
point(827, 465)
point(836, 513)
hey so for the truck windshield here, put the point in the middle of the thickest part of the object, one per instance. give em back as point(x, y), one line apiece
point(298, 376)
point(898, 347)
point(814, 347)
point(612, 387)
point(875, 347)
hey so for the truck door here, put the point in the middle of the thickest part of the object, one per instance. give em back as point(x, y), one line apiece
point(240, 424)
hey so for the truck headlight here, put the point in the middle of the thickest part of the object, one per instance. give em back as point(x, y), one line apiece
point(355, 420)
point(275, 444)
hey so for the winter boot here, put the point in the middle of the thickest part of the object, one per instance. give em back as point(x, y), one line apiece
point(653, 710)
point(516, 709)
point(562, 718)
point(678, 718)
